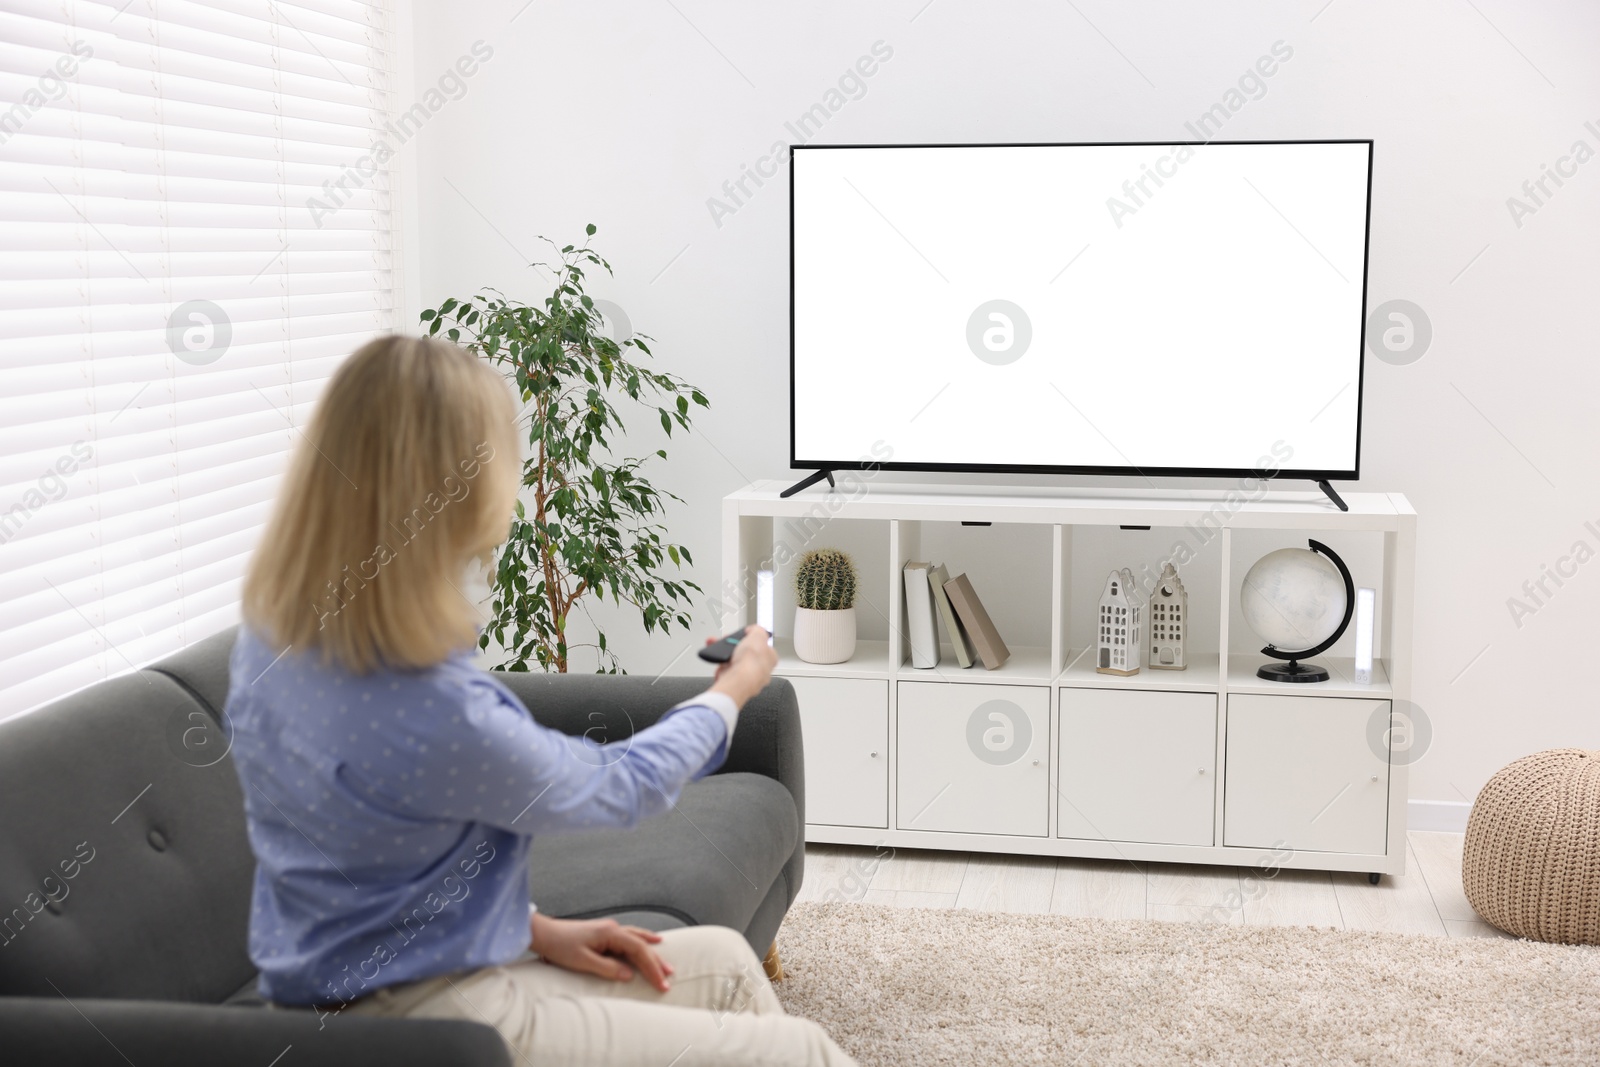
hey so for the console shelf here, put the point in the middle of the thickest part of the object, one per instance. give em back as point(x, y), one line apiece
point(1045, 755)
point(870, 661)
point(1199, 677)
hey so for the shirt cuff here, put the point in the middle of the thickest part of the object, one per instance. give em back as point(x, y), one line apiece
point(721, 703)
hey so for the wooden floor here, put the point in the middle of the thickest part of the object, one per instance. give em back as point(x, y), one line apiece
point(1427, 899)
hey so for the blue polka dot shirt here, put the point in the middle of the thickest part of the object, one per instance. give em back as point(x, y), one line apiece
point(390, 813)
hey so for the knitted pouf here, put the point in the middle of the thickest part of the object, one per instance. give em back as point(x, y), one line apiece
point(1531, 862)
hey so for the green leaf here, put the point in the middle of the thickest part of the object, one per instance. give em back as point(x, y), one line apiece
point(585, 513)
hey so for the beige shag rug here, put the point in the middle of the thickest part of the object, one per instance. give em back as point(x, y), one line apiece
point(915, 987)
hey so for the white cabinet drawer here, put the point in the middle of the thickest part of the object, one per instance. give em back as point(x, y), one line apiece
point(845, 723)
point(973, 758)
point(1137, 766)
point(1301, 774)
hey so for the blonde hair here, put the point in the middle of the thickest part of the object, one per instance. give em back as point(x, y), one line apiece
point(408, 471)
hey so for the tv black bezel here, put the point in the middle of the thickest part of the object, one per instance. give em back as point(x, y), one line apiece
point(1314, 474)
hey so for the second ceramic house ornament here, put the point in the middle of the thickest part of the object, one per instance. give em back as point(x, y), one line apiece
point(1169, 622)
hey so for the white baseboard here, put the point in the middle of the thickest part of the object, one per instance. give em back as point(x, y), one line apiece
point(1446, 815)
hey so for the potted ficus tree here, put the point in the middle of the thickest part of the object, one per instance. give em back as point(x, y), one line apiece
point(825, 612)
point(586, 523)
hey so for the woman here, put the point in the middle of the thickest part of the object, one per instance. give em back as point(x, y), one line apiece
point(391, 789)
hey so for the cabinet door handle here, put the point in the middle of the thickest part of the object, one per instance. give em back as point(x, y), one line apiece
point(1374, 777)
point(1202, 770)
point(1036, 763)
point(874, 755)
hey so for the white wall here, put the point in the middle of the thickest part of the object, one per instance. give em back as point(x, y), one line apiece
point(632, 115)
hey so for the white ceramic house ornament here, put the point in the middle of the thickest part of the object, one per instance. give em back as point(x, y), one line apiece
point(1121, 627)
point(1169, 622)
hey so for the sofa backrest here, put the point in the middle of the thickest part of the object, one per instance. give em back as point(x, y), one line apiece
point(125, 869)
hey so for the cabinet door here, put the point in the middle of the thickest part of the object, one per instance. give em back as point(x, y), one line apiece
point(1301, 774)
point(973, 758)
point(1138, 766)
point(845, 723)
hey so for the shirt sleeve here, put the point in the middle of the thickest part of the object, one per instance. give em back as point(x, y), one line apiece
point(721, 703)
point(482, 758)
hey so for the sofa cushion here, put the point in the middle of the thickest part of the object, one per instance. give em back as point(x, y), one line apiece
point(608, 708)
point(125, 870)
point(711, 860)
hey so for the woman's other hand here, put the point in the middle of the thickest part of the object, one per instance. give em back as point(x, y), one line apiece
point(602, 947)
point(750, 669)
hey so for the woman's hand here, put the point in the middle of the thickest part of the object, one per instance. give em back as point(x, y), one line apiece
point(750, 669)
point(600, 946)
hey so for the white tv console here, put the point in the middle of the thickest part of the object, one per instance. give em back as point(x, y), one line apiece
point(1206, 765)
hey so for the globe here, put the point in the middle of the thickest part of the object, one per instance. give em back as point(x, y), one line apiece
point(1293, 599)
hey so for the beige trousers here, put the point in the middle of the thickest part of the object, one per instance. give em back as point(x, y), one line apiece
point(720, 1010)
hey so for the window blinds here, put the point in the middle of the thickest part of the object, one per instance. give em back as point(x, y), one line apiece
point(188, 248)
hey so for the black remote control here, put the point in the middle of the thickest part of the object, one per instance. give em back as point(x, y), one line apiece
point(722, 651)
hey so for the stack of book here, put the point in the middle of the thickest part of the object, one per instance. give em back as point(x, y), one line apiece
point(936, 602)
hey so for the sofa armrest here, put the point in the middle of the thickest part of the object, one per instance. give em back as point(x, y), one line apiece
point(113, 1033)
point(611, 707)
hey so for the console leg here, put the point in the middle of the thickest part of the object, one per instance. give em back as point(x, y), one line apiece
point(1328, 489)
point(772, 964)
point(1372, 879)
point(809, 480)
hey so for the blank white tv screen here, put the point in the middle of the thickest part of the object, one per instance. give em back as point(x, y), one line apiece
point(1142, 308)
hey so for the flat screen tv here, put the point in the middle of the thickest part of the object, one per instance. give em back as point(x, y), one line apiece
point(1145, 310)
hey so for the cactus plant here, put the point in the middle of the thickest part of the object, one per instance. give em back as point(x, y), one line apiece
point(825, 581)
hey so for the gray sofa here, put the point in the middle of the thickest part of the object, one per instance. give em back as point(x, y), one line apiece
point(125, 870)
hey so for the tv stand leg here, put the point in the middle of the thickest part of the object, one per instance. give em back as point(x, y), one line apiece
point(809, 480)
point(1328, 489)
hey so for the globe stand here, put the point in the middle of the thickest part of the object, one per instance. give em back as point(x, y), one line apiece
point(1294, 670)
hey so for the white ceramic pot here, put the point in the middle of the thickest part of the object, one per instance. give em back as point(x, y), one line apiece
point(824, 636)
